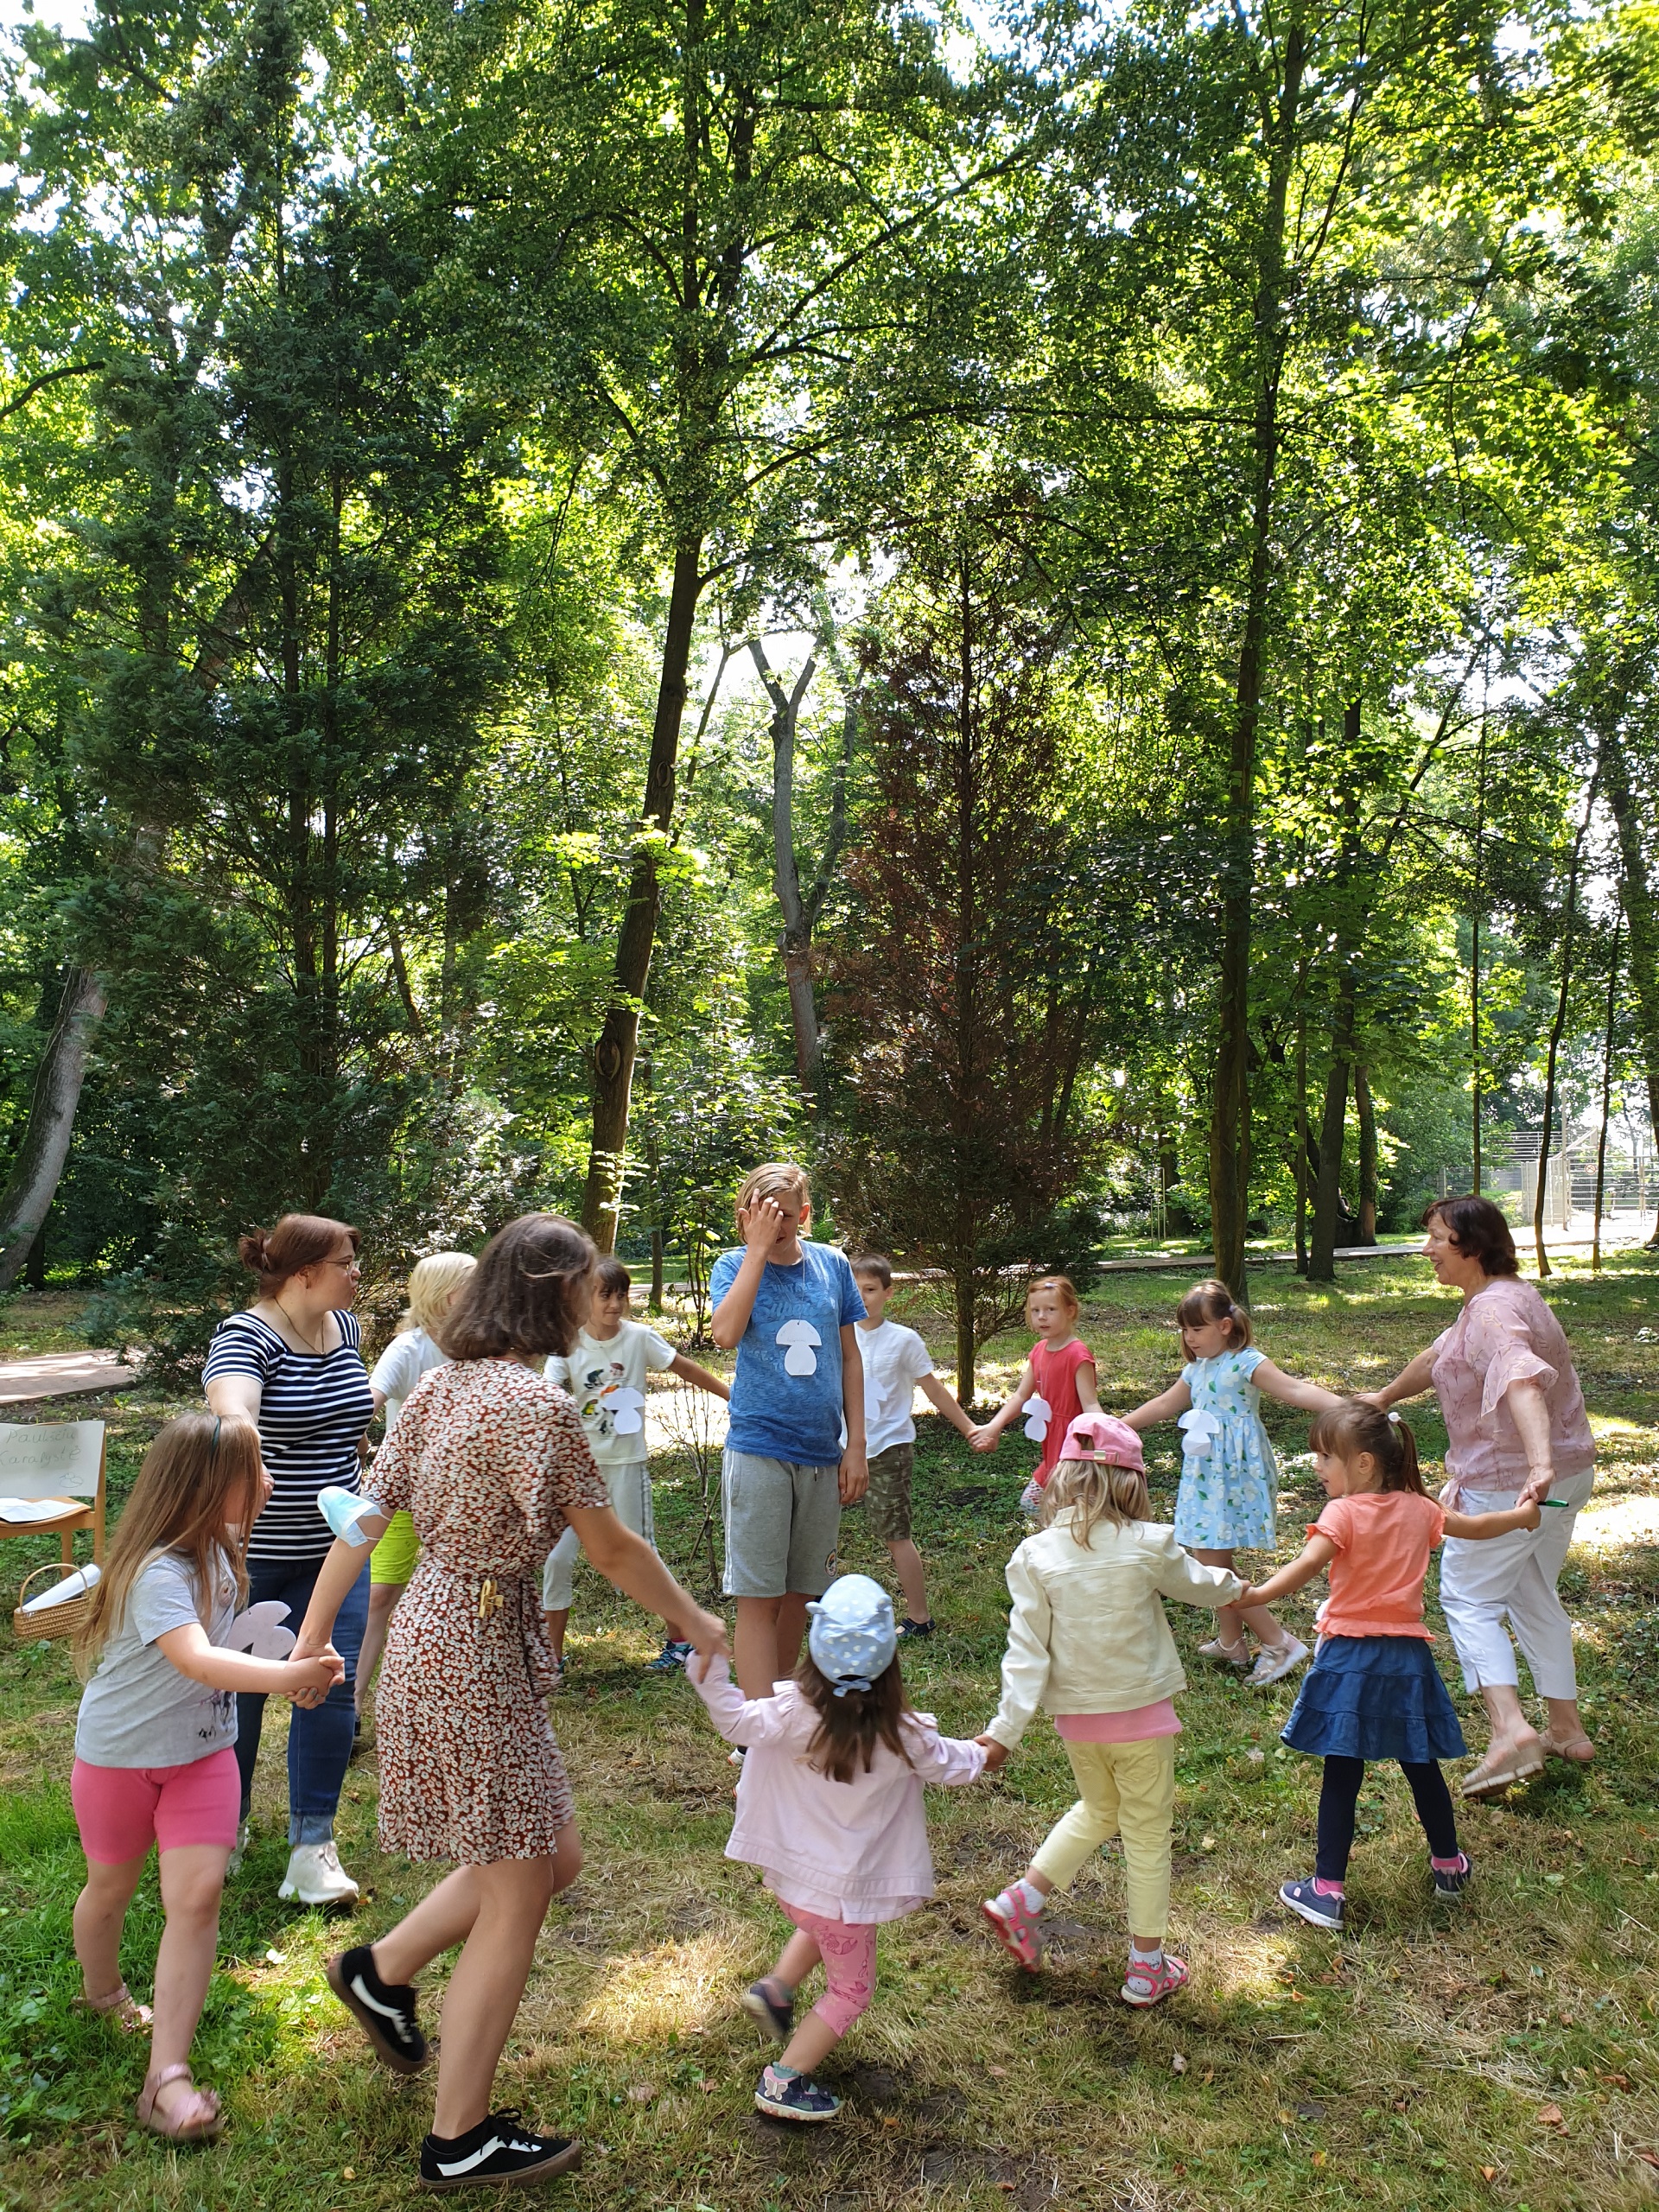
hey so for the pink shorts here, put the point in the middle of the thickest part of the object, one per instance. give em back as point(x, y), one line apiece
point(848, 1950)
point(122, 1810)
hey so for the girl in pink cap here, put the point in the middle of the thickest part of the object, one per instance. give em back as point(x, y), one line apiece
point(1088, 1642)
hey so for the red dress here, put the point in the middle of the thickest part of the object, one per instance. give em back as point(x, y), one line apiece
point(1057, 1384)
point(486, 1456)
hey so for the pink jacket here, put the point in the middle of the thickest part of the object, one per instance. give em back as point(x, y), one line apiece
point(855, 1850)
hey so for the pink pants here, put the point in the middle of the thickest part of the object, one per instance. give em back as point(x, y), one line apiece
point(848, 1950)
point(121, 1810)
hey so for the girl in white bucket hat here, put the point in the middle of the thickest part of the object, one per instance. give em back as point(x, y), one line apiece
point(829, 1806)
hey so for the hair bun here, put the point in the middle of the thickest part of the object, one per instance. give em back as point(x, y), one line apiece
point(256, 1252)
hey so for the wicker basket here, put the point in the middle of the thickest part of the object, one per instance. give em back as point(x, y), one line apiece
point(56, 1620)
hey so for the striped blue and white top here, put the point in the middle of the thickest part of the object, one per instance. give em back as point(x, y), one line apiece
point(312, 1409)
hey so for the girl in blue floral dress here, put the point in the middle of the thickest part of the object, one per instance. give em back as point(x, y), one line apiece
point(1230, 1479)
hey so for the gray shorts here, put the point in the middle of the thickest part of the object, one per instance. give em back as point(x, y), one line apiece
point(782, 1522)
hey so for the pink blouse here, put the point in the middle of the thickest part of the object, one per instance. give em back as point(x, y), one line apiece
point(1507, 1334)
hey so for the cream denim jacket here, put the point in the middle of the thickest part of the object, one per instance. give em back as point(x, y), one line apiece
point(1087, 1633)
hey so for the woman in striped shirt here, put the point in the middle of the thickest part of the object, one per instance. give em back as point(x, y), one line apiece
point(291, 1365)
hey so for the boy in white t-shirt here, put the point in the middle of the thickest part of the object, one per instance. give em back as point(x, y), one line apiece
point(605, 1372)
point(895, 1361)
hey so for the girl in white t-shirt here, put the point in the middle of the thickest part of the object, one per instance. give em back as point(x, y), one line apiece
point(434, 1285)
point(896, 1362)
point(605, 1373)
point(154, 1739)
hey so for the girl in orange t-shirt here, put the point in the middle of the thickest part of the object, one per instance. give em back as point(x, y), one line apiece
point(1373, 1692)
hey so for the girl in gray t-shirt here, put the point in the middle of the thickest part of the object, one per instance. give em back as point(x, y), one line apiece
point(155, 1761)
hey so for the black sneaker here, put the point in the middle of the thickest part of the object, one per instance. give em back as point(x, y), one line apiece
point(1317, 1907)
point(794, 2096)
point(1449, 1881)
point(777, 2020)
point(907, 1628)
point(499, 2149)
point(383, 2011)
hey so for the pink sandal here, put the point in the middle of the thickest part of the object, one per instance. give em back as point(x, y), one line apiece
point(120, 2007)
point(197, 2119)
point(1144, 1986)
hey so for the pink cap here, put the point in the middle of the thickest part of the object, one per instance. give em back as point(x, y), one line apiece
point(1102, 1436)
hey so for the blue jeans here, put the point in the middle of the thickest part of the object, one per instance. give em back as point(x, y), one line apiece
point(319, 1741)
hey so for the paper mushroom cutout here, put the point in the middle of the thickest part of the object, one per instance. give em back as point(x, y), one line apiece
point(260, 1633)
point(1038, 1414)
point(628, 1408)
point(797, 1339)
point(1201, 1429)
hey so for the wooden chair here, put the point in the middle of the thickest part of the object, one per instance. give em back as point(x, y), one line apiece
point(56, 1462)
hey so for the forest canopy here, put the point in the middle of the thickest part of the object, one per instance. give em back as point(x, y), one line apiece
point(1054, 613)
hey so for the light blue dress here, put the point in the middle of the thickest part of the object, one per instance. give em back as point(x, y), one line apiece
point(1230, 1479)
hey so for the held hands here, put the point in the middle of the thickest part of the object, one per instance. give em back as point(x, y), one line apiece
point(986, 1439)
point(311, 1679)
point(1537, 1490)
point(996, 1754)
point(706, 1633)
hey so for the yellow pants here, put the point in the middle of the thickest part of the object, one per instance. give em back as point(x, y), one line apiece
point(1128, 1790)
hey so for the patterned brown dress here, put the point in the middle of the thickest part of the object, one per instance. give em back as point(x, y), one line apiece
point(486, 1456)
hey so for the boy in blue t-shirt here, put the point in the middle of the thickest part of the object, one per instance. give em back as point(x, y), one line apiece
point(789, 1308)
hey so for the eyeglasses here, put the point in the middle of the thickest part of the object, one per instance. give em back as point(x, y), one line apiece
point(347, 1263)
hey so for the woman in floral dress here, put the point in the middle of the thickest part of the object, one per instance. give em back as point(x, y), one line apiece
point(491, 1461)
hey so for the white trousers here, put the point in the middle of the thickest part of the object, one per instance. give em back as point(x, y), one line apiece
point(1486, 1582)
point(630, 1488)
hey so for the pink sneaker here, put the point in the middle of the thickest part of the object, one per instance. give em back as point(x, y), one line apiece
point(1018, 1930)
point(1145, 1984)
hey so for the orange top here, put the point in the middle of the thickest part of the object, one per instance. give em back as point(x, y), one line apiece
point(1383, 1539)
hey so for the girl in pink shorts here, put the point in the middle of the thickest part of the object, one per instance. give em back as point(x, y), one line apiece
point(830, 1807)
point(154, 1742)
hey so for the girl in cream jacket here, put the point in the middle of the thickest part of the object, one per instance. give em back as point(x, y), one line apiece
point(1088, 1642)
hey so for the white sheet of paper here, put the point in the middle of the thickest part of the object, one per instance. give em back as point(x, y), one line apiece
point(20, 1512)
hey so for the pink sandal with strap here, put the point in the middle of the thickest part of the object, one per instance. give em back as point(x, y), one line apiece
point(121, 2007)
point(195, 2119)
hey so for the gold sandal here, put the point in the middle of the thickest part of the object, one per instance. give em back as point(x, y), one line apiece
point(120, 2007)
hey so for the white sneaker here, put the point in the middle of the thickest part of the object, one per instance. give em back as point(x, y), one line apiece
point(234, 1864)
point(315, 1876)
point(1273, 1662)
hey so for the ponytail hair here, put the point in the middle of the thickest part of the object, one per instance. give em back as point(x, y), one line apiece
point(1344, 1432)
point(1212, 1301)
point(298, 1241)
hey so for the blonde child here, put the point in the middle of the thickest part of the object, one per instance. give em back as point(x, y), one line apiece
point(830, 1809)
point(1229, 1493)
point(1088, 1642)
point(1374, 1691)
point(896, 1362)
point(795, 1451)
point(605, 1372)
point(1056, 1384)
point(435, 1283)
point(155, 1758)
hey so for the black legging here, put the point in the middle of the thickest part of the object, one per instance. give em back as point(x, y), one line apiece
point(1339, 1799)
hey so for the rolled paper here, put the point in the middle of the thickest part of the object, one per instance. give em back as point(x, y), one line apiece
point(343, 1509)
point(73, 1586)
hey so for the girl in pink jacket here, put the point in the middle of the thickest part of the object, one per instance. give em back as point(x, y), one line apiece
point(829, 1807)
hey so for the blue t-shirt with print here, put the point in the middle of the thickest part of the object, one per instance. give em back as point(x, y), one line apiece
point(786, 1392)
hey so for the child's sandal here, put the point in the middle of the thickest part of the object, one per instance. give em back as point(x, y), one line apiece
point(1144, 1986)
point(1230, 1655)
point(195, 2119)
point(120, 2007)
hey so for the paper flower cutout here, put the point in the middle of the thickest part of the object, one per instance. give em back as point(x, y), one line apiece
point(1201, 1429)
point(260, 1633)
point(1038, 1414)
point(627, 1408)
point(797, 1339)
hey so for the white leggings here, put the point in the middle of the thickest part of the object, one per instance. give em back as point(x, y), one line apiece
point(1513, 1576)
point(630, 1488)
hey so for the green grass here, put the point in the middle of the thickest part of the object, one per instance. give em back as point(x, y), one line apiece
point(1388, 2069)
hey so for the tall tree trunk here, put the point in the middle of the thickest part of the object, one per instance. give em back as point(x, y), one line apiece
point(967, 1340)
point(1327, 1191)
point(1557, 1028)
point(1366, 1106)
point(34, 1266)
point(1640, 927)
point(1474, 941)
point(1230, 1109)
point(1606, 1095)
point(40, 1160)
point(1301, 1124)
point(618, 1041)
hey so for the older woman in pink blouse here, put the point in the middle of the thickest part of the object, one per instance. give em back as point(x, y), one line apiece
point(1516, 1429)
